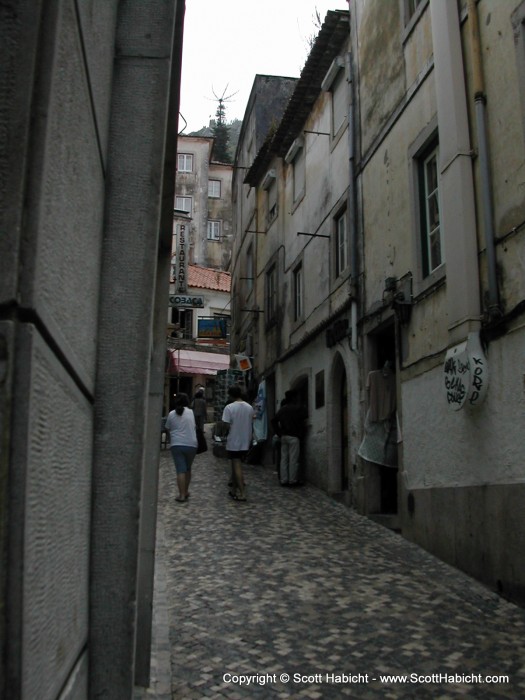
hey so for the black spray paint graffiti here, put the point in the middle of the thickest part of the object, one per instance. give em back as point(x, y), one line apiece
point(459, 378)
point(477, 380)
point(456, 378)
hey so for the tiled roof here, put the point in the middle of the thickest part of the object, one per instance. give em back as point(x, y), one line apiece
point(331, 37)
point(208, 278)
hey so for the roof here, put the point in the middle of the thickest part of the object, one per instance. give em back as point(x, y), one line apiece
point(332, 35)
point(208, 278)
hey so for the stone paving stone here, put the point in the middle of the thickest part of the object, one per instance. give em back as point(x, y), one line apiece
point(292, 582)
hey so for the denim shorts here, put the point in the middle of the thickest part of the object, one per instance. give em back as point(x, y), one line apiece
point(183, 457)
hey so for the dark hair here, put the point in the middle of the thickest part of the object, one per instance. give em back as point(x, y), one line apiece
point(235, 391)
point(181, 400)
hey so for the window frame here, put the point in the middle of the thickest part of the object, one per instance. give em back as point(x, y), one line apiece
point(270, 296)
point(342, 261)
point(337, 91)
point(185, 157)
point(250, 269)
point(421, 147)
point(215, 181)
point(298, 292)
point(271, 209)
point(184, 197)
point(426, 195)
point(215, 223)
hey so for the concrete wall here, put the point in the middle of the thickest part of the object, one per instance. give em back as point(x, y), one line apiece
point(61, 174)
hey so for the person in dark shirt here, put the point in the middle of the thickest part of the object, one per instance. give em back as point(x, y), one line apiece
point(290, 425)
point(199, 409)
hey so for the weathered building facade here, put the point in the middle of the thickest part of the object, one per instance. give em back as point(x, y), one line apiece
point(203, 191)
point(387, 271)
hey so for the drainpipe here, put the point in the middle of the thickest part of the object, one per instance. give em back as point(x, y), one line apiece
point(351, 202)
point(480, 102)
point(456, 176)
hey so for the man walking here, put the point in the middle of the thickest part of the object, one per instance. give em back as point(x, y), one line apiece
point(238, 414)
point(289, 422)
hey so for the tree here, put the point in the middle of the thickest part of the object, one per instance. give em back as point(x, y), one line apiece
point(221, 131)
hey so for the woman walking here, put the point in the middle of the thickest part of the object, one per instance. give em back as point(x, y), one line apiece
point(183, 441)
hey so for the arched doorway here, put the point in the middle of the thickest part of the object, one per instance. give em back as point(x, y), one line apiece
point(339, 435)
point(344, 433)
point(301, 386)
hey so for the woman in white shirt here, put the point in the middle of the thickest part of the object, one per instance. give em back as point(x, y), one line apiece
point(183, 441)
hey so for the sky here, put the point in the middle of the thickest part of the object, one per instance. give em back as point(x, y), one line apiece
point(227, 42)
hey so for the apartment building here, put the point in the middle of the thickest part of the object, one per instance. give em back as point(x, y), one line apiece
point(200, 281)
point(384, 278)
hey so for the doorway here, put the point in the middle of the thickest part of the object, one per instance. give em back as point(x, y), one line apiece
point(382, 496)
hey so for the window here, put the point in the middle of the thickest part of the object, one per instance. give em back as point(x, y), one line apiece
point(271, 294)
point(214, 188)
point(431, 244)
point(298, 175)
point(296, 157)
point(270, 185)
point(341, 244)
point(335, 83)
point(338, 102)
point(272, 201)
point(214, 230)
point(249, 270)
point(183, 204)
point(185, 162)
point(298, 292)
point(182, 323)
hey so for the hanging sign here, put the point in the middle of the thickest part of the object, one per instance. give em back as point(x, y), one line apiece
point(243, 362)
point(466, 374)
point(181, 264)
point(212, 328)
point(186, 300)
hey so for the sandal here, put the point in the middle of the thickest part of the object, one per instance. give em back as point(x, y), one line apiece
point(236, 497)
point(181, 500)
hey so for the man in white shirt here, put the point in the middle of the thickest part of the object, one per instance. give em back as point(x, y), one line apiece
point(239, 416)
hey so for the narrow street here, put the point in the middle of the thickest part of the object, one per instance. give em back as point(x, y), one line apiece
point(295, 595)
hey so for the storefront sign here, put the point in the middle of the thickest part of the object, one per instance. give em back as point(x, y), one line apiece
point(185, 300)
point(212, 328)
point(181, 265)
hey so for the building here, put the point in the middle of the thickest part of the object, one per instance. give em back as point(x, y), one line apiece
point(203, 192)
point(301, 292)
point(199, 334)
point(383, 278)
point(268, 99)
point(89, 95)
point(198, 322)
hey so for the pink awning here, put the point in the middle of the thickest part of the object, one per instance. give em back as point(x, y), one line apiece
point(196, 362)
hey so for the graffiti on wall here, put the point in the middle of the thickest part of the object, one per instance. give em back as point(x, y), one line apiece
point(466, 374)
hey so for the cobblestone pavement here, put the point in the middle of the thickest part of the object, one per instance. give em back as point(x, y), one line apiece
point(306, 599)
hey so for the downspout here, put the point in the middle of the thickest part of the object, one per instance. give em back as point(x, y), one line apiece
point(351, 202)
point(480, 102)
point(456, 177)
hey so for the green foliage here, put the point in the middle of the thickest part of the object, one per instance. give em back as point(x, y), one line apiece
point(221, 134)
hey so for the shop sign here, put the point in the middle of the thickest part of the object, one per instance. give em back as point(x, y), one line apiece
point(181, 264)
point(212, 328)
point(185, 300)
